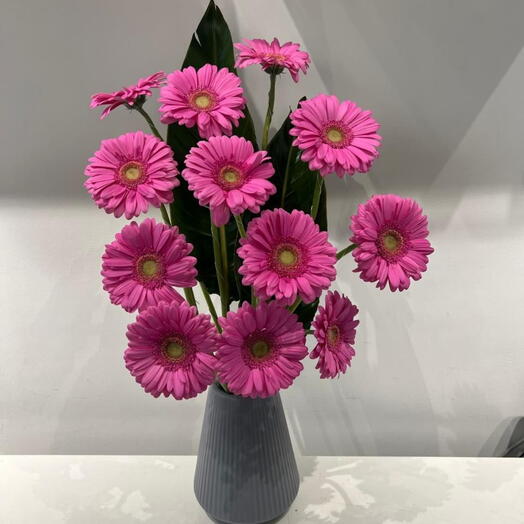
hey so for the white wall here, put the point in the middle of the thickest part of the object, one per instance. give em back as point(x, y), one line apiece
point(438, 367)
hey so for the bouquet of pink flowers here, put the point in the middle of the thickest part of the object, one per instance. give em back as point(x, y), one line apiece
point(245, 222)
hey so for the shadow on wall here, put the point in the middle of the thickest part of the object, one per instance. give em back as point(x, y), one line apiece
point(507, 440)
point(425, 68)
point(366, 411)
point(463, 430)
point(359, 415)
point(92, 405)
point(52, 62)
point(427, 96)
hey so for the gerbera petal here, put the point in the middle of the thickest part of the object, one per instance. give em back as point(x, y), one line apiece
point(131, 172)
point(260, 349)
point(175, 359)
point(335, 137)
point(390, 232)
point(272, 57)
point(209, 97)
point(150, 259)
point(228, 176)
point(285, 255)
point(127, 95)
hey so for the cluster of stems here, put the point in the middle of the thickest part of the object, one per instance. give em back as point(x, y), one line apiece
point(218, 234)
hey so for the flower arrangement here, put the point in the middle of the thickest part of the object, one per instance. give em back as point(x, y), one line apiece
point(242, 220)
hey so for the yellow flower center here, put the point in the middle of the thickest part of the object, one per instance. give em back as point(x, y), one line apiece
point(150, 268)
point(203, 101)
point(390, 242)
point(230, 176)
point(174, 351)
point(287, 257)
point(335, 135)
point(260, 349)
point(132, 173)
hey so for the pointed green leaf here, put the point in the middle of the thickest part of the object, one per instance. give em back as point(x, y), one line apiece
point(211, 42)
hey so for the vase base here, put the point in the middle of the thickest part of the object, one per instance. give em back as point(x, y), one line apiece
point(272, 521)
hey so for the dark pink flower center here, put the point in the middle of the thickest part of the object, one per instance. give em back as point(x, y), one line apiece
point(176, 351)
point(230, 177)
point(333, 335)
point(288, 259)
point(391, 244)
point(259, 349)
point(336, 134)
point(132, 173)
point(202, 100)
point(150, 270)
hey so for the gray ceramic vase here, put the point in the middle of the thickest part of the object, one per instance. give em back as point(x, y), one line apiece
point(246, 471)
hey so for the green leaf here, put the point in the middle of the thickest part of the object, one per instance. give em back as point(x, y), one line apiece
point(301, 181)
point(246, 128)
point(211, 44)
point(299, 193)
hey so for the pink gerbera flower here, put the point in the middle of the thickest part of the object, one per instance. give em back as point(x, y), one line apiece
point(209, 98)
point(285, 255)
point(170, 350)
point(273, 57)
point(131, 172)
point(390, 232)
point(335, 137)
point(334, 328)
point(226, 174)
point(127, 95)
point(260, 349)
point(144, 262)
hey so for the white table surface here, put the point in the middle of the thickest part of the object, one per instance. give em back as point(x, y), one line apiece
point(94, 489)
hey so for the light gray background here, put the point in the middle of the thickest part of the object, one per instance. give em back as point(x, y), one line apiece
point(438, 367)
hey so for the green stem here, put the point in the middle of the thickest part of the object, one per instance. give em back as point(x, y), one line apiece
point(218, 267)
point(223, 253)
point(165, 214)
point(223, 386)
point(242, 233)
point(310, 331)
point(346, 250)
point(148, 119)
point(316, 196)
point(295, 304)
point(210, 306)
point(190, 296)
point(286, 176)
point(270, 106)
point(240, 225)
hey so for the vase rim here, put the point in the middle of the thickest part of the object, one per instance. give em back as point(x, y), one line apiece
point(232, 396)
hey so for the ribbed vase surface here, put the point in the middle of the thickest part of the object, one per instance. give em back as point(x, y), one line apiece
point(246, 471)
